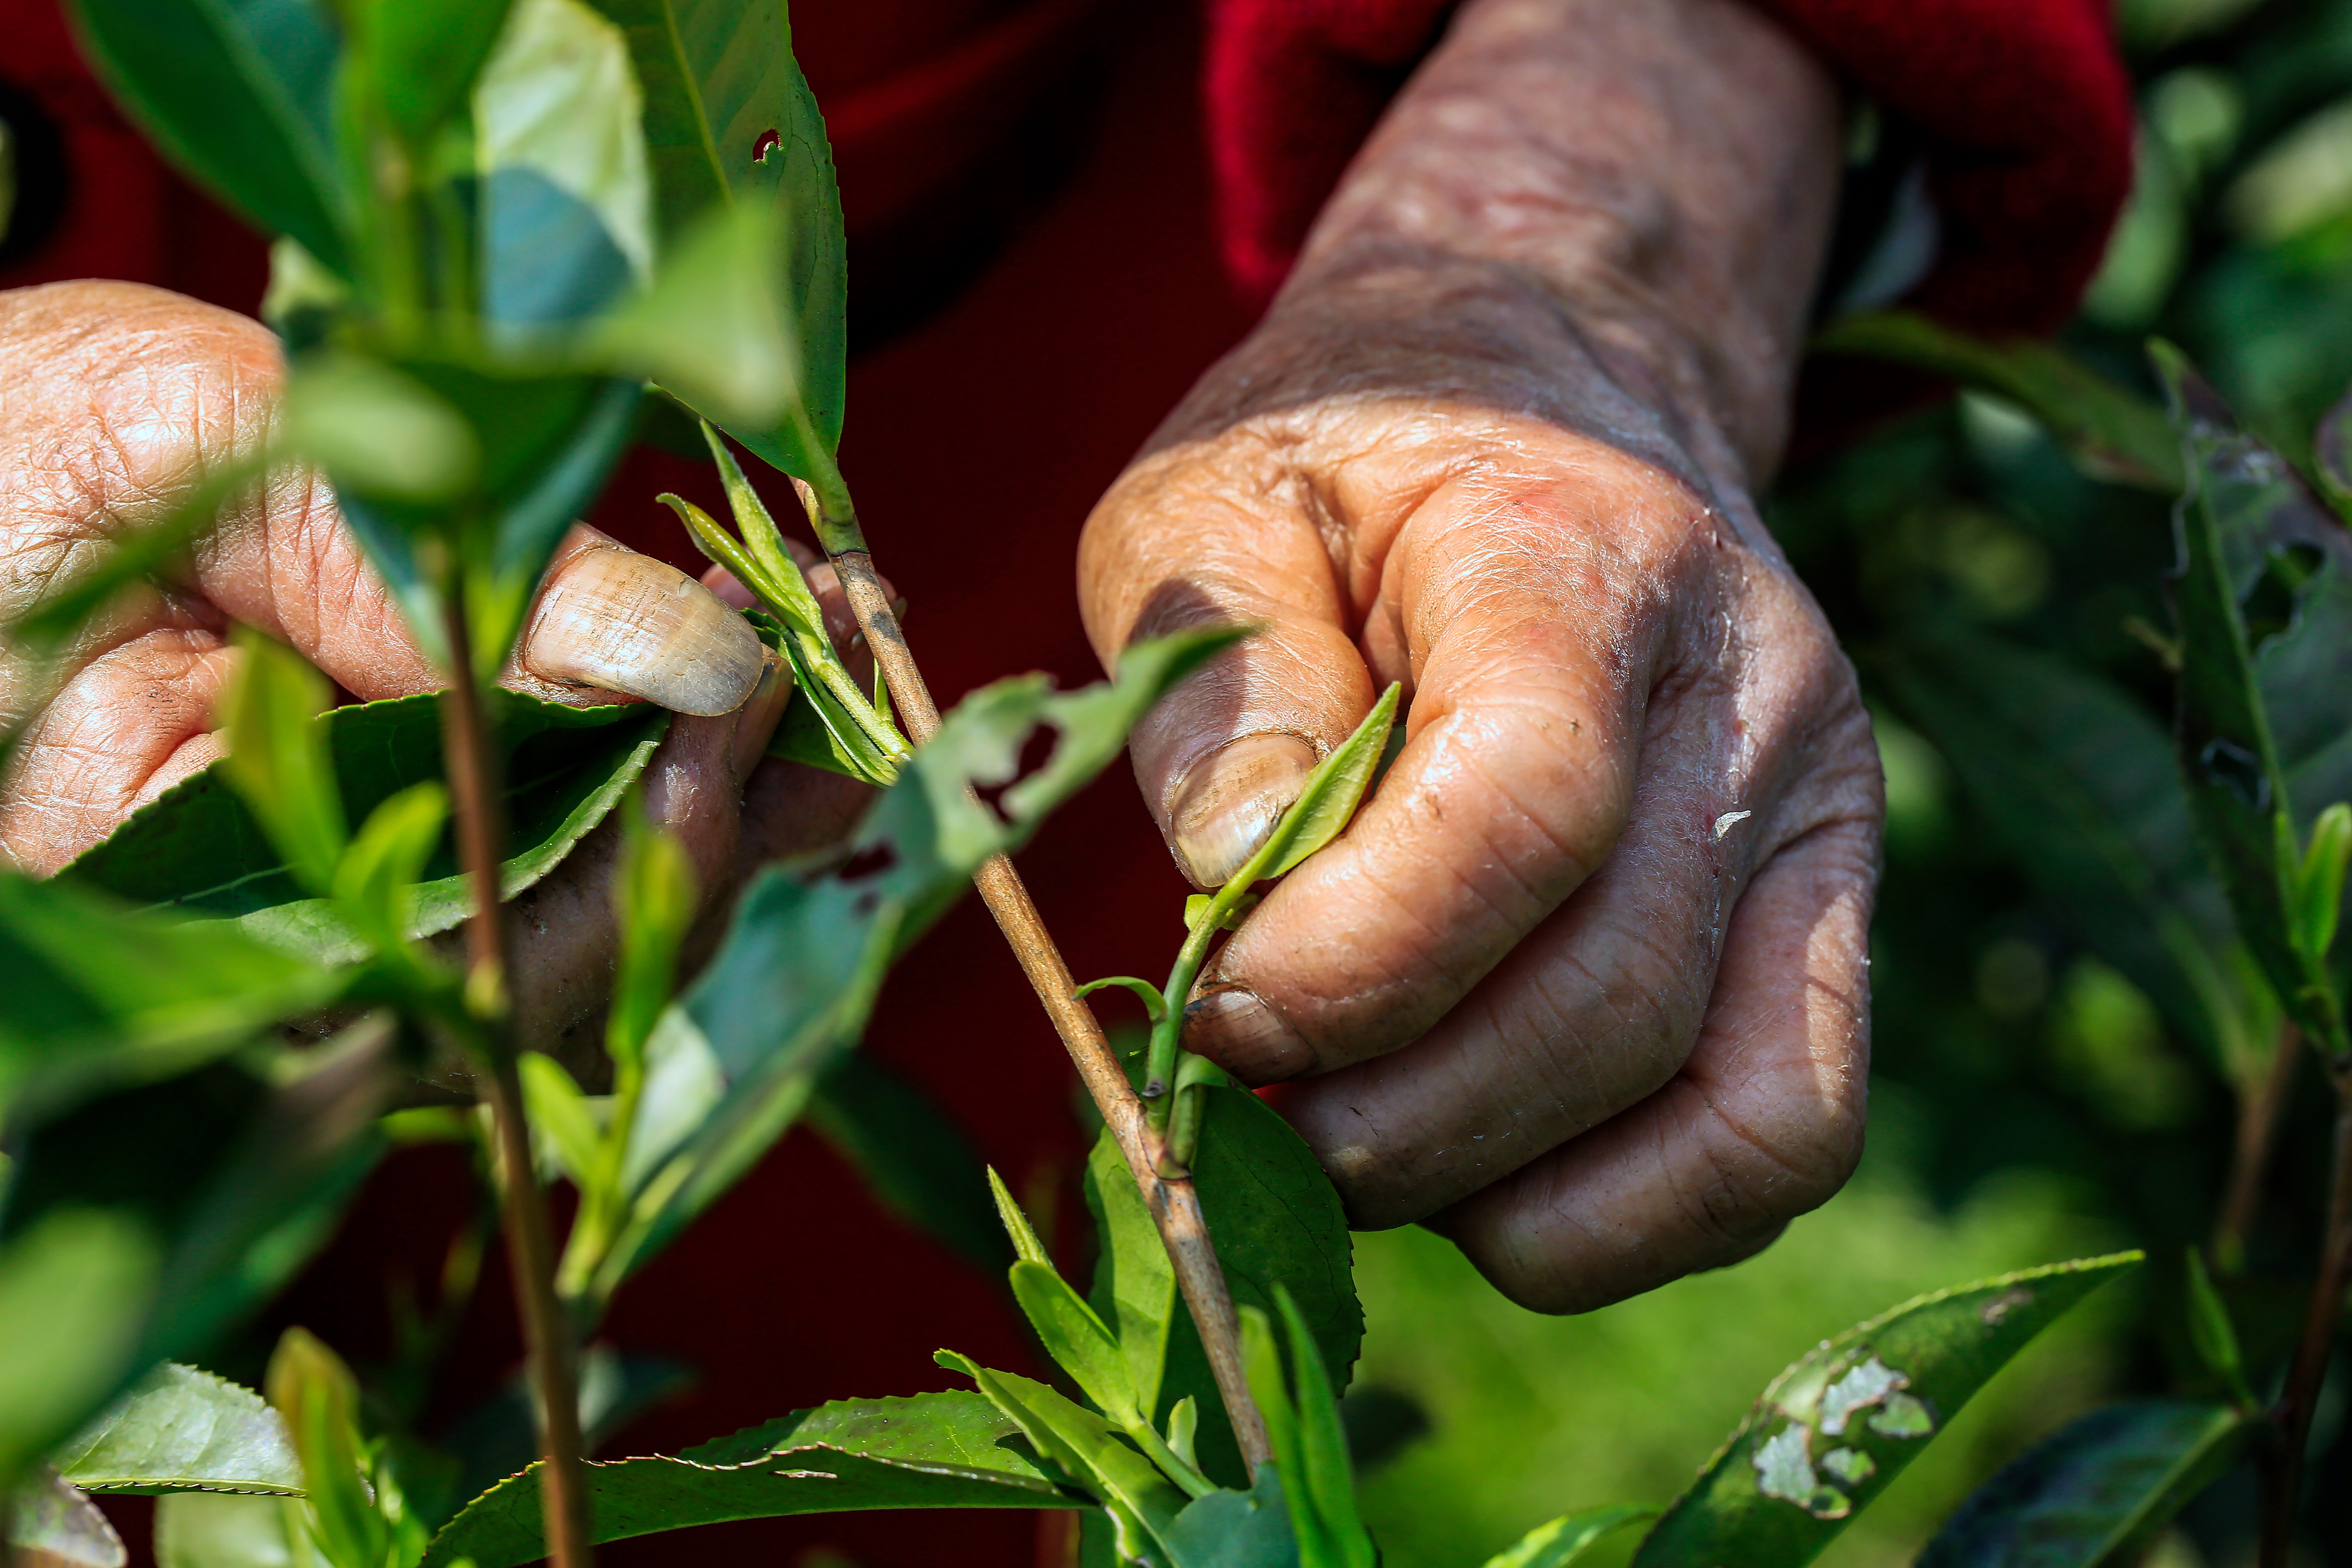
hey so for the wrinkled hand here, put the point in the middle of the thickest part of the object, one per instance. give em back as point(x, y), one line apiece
point(112, 398)
point(1584, 985)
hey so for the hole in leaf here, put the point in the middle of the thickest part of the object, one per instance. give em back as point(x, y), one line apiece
point(1035, 753)
point(2227, 763)
point(770, 140)
point(2270, 604)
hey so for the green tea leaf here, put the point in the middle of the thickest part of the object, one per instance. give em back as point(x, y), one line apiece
point(240, 93)
point(278, 758)
point(375, 882)
point(1017, 1228)
point(1323, 1474)
point(318, 1397)
point(1140, 1499)
point(914, 1159)
point(1262, 1362)
point(1561, 1542)
point(377, 431)
point(1074, 1338)
point(731, 120)
point(426, 55)
point(198, 849)
point(2320, 885)
point(74, 1290)
point(2238, 498)
point(1236, 1529)
point(50, 1524)
point(934, 1450)
point(1329, 799)
point(218, 1530)
point(185, 1430)
point(1830, 1433)
point(733, 1062)
point(1277, 1220)
point(2213, 1335)
point(654, 904)
point(2111, 434)
point(1155, 1006)
point(713, 328)
point(80, 1021)
point(2096, 1493)
point(566, 192)
point(559, 1115)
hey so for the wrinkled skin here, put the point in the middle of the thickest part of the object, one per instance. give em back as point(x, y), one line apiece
point(112, 396)
point(1584, 986)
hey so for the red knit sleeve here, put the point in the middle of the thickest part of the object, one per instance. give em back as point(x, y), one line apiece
point(2024, 104)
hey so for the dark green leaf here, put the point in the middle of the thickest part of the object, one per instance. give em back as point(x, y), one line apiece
point(74, 1290)
point(2095, 1494)
point(51, 1524)
point(914, 1159)
point(2079, 783)
point(2331, 452)
point(2110, 433)
point(79, 1020)
point(2233, 526)
point(197, 848)
point(185, 1430)
point(1277, 1220)
point(1560, 1543)
point(733, 1062)
point(425, 55)
point(1832, 1431)
point(240, 93)
point(2213, 1335)
point(1323, 1474)
point(935, 1451)
point(729, 118)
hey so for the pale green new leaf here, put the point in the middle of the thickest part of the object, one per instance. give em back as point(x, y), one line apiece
point(277, 757)
point(560, 1114)
point(374, 886)
point(376, 431)
point(1026, 1248)
point(185, 1430)
point(1329, 799)
point(1324, 1476)
point(1075, 1338)
point(319, 1400)
point(219, 1529)
point(2320, 881)
point(1562, 1541)
point(712, 328)
point(74, 1294)
point(2212, 1332)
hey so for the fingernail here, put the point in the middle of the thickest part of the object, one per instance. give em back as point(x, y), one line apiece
point(628, 623)
point(756, 723)
point(1233, 1028)
point(1231, 801)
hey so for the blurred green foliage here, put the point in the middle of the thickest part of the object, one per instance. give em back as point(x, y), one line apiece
point(2029, 1100)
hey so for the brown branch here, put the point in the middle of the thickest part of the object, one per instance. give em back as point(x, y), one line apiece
point(2282, 1482)
point(1175, 1204)
point(473, 770)
point(2258, 1120)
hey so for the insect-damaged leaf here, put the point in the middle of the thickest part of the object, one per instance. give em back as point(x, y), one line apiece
point(2257, 560)
point(1277, 1220)
point(2109, 433)
point(240, 93)
point(1832, 1431)
point(2095, 1493)
point(733, 1061)
point(185, 1430)
point(197, 848)
point(934, 1450)
point(729, 118)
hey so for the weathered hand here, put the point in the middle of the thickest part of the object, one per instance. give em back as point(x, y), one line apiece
point(1584, 985)
point(112, 398)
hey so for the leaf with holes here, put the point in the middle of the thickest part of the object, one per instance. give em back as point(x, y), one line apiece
point(1830, 1433)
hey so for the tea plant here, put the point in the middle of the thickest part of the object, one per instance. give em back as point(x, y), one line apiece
point(474, 311)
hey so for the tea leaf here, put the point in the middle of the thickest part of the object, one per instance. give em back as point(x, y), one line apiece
point(729, 118)
point(50, 1524)
point(653, 905)
point(1322, 1478)
point(2319, 903)
point(559, 1114)
point(566, 194)
point(220, 1529)
point(74, 1292)
point(1561, 1542)
point(1236, 1529)
point(374, 880)
point(1830, 1433)
point(197, 848)
point(1155, 1006)
point(713, 328)
point(181, 1429)
point(733, 1062)
point(914, 1159)
point(934, 1450)
point(2111, 434)
point(278, 758)
point(2213, 1335)
point(1329, 798)
point(80, 1021)
point(319, 1400)
point(1022, 1234)
point(2095, 1493)
point(2240, 527)
point(1074, 1338)
point(377, 431)
point(1141, 1503)
point(1277, 1220)
point(425, 54)
point(241, 94)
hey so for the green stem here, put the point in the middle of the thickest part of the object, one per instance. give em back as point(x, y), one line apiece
point(1171, 1465)
point(1159, 1065)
